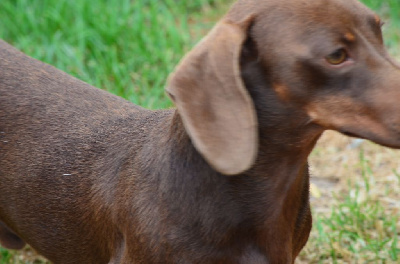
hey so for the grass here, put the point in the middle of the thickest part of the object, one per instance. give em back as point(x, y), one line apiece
point(363, 224)
point(357, 232)
point(123, 46)
point(129, 47)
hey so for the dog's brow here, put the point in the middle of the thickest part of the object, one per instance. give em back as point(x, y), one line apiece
point(349, 37)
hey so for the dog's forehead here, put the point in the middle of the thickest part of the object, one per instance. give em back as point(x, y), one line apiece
point(303, 11)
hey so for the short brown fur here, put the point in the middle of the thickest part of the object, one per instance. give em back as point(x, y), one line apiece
point(87, 177)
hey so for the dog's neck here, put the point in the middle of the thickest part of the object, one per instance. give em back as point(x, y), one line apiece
point(274, 192)
point(286, 138)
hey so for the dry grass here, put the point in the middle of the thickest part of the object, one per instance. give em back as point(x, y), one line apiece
point(336, 160)
point(355, 200)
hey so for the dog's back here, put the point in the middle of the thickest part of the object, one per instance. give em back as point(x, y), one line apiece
point(61, 141)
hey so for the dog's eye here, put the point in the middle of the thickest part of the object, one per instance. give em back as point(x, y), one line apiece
point(337, 57)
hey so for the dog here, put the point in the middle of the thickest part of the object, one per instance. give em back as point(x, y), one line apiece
point(87, 177)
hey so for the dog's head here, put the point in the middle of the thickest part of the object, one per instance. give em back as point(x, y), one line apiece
point(324, 58)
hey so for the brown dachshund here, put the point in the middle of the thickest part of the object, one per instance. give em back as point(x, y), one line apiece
point(87, 177)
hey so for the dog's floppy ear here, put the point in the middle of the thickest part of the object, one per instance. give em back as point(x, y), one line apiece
point(211, 98)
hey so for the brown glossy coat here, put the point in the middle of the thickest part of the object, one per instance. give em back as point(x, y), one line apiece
point(87, 177)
